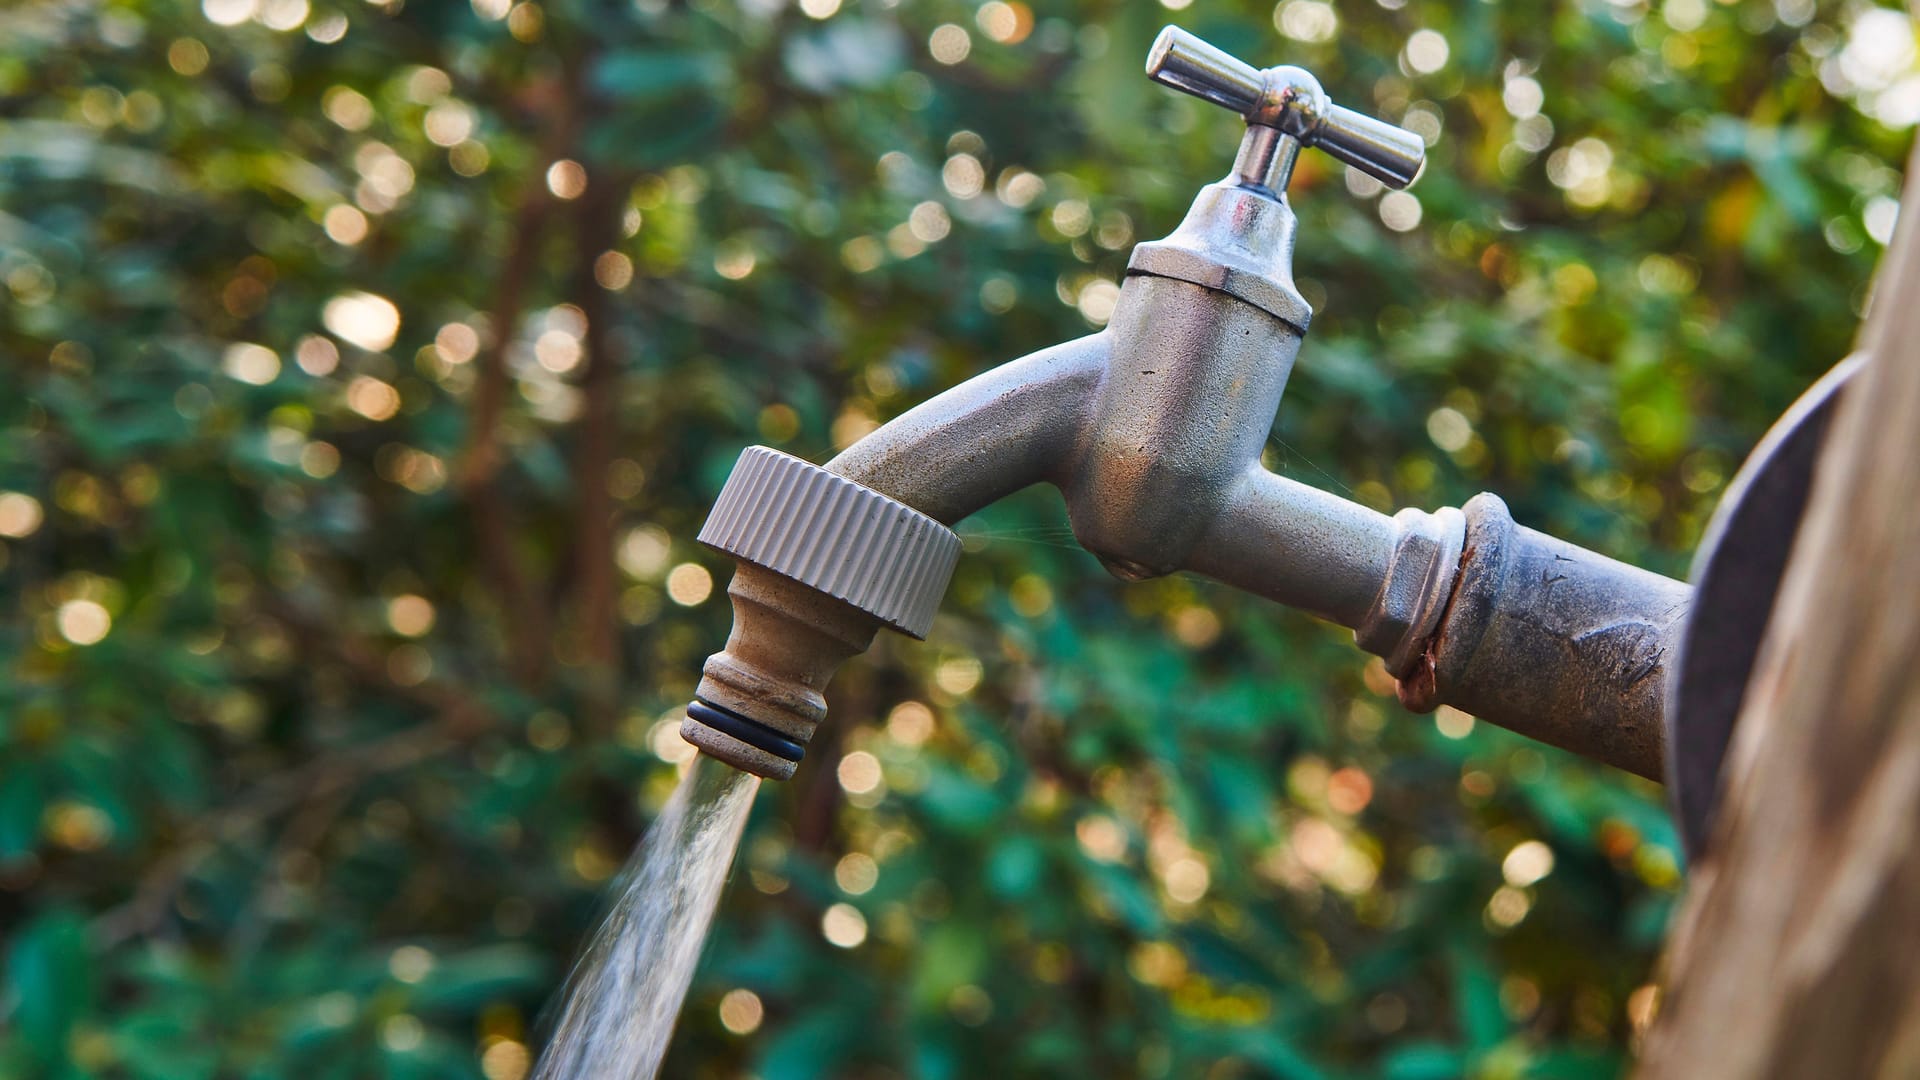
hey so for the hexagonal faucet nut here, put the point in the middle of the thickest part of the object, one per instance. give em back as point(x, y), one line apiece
point(1420, 577)
point(823, 563)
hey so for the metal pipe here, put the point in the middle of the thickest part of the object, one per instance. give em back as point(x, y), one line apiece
point(1555, 642)
point(1469, 609)
point(1299, 546)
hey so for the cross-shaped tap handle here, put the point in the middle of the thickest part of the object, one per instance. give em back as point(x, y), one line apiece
point(1290, 100)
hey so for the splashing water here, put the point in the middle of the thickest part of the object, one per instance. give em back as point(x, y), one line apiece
point(626, 989)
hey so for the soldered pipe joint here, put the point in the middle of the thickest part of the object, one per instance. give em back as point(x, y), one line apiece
point(1553, 641)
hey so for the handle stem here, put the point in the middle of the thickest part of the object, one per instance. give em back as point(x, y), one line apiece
point(1266, 158)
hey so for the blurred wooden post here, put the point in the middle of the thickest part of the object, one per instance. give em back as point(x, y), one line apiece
point(1797, 953)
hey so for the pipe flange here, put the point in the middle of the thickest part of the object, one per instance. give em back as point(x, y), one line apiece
point(827, 532)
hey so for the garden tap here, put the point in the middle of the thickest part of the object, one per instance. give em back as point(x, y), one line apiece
point(1152, 431)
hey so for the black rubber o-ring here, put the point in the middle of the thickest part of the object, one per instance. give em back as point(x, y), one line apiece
point(751, 732)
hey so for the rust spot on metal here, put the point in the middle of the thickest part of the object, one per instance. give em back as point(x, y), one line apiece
point(1419, 691)
point(1416, 692)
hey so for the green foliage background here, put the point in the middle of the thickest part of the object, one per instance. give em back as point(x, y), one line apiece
point(267, 823)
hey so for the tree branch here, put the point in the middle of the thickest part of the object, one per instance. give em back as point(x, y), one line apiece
point(594, 582)
point(458, 718)
point(480, 461)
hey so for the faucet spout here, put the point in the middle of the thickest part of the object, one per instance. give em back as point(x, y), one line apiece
point(1019, 424)
point(829, 555)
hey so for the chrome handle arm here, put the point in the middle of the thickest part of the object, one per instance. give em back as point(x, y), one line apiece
point(1389, 154)
point(1190, 64)
point(1290, 100)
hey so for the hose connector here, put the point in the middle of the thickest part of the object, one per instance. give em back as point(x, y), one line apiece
point(823, 564)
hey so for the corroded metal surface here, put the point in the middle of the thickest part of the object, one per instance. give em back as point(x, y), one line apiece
point(1555, 642)
point(1413, 594)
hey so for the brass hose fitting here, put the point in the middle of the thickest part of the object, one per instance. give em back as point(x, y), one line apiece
point(823, 564)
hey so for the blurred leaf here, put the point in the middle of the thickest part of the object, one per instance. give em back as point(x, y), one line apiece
point(50, 978)
point(637, 75)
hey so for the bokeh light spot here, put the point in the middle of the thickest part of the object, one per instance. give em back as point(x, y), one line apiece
point(741, 1011)
point(402, 1033)
point(949, 44)
point(843, 925)
point(316, 355)
point(229, 12)
point(20, 514)
point(410, 963)
point(910, 723)
point(1400, 211)
point(1452, 723)
point(1310, 21)
point(410, 615)
point(859, 772)
point(856, 873)
point(1427, 51)
point(1006, 23)
point(253, 364)
point(1528, 862)
point(83, 622)
point(372, 398)
point(567, 179)
point(457, 342)
point(345, 224)
point(689, 584)
point(505, 1059)
point(1508, 906)
point(958, 675)
point(363, 319)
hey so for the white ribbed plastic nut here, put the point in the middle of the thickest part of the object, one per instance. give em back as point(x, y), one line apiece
point(823, 530)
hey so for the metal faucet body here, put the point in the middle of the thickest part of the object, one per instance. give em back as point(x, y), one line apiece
point(1149, 428)
point(1193, 379)
point(1152, 431)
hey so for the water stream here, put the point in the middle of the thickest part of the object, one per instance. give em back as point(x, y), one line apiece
point(625, 990)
